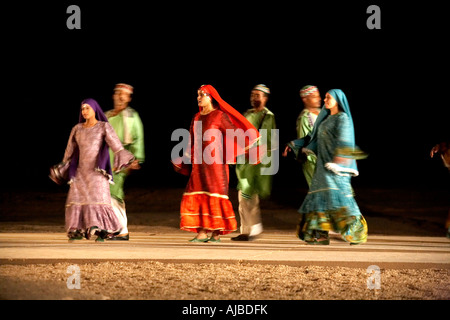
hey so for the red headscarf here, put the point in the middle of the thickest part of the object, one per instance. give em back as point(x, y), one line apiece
point(238, 120)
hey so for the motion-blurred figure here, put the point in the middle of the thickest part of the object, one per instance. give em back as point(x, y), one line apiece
point(130, 130)
point(305, 122)
point(443, 149)
point(252, 185)
point(330, 204)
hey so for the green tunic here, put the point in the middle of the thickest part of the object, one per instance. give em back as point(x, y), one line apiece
point(250, 180)
point(129, 129)
point(305, 124)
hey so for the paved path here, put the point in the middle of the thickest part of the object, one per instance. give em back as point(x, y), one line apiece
point(384, 251)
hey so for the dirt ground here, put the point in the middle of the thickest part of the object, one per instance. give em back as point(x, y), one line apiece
point(156, 211)
point(188, 281)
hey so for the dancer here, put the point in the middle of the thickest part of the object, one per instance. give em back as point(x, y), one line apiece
point(305, 122)
point(329, 204)
point(87, 166)
point(205, 206)
point(128, 126)
point(252, 185)
point(443, 149)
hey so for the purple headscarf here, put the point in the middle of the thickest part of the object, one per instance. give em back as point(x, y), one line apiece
point(99, 115)
point(103, 162)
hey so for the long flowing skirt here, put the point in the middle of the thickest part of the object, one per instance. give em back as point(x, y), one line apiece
point(212, 212)
point(205, 203)
point(315, 225)
point(332, 208)
point(88, 204)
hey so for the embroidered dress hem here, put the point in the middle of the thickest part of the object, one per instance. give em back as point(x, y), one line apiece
point(352, 228)
point(208, 211)
point(82, 217)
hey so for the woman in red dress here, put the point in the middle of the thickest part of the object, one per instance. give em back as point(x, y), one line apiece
point(205, 206)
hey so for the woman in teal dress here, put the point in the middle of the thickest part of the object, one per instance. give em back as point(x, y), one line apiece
point(329, 204)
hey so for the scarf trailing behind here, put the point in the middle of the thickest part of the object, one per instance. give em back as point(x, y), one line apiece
point(250, 140)
point(239, 121)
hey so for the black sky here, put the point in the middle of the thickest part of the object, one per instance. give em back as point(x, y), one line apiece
point(392, 77)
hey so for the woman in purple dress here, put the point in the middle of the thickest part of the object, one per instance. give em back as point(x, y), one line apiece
point(87, 166)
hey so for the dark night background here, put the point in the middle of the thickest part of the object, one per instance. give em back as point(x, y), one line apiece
point(392, 78)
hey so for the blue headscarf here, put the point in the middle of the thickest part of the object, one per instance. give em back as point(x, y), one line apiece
point(103, 163)
point(353, 151)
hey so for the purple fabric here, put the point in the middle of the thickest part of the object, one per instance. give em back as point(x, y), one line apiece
point(88, 202)
point(79, 217)
point(103, 157)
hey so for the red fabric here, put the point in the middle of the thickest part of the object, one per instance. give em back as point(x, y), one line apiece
point(239, 121)
point(206, 193)
point(209, 212)
point(178, 166)
point(205, 203)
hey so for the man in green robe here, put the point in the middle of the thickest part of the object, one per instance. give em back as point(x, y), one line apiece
point(128, 126)
point(305, 122)
point(252, 185)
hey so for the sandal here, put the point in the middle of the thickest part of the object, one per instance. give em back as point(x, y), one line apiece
point(90, 232)
point(321, 241)
point(214, 240)
point(199, 240)
point(75, 235)
point(101, 235)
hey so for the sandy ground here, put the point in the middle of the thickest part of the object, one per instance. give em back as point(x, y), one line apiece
point(148, 280)
point(188, 281)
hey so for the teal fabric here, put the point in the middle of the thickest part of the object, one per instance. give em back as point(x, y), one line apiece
point(329, 204)
point(346, 148)
point(349, 141)
point(329, 191)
